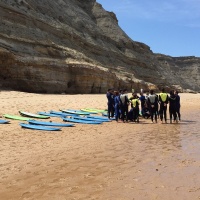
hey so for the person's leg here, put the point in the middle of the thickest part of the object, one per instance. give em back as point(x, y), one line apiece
point(151, 111)
point(161, 113)
point(126, 112)
point(138, 114)
point(170, 116)
point(179, 115)
point(122, 112)
point(175, 116)
point(165, 113)
point(134, 115)
point(116, 112)
point(158, 114)
point(109, 110)
point(112, 111)
point(155, 116)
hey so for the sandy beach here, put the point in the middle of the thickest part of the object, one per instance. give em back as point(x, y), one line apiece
point(111, 161)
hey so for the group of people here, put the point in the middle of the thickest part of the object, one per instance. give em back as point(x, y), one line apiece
point(149, 105)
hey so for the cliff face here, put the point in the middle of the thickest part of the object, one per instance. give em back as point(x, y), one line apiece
point(75, 46)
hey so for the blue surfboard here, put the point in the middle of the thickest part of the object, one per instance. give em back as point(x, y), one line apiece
point(88, 119)
point(36, 127)
point(43, 123)
point(80, 121)
point(48, 114)
point(2, 121)
point(99, 118)
point(61, 113)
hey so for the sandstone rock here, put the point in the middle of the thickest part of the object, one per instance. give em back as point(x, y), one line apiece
point(75, 46)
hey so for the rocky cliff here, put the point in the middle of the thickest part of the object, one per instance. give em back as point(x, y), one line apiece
point(75, 46)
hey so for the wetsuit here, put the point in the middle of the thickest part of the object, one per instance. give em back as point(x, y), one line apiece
point(117, 107)
point(157, 108)
point(163, 100)
point(172, 107)
point(124, 106)
point(152, 102)
point(135, 105)
point(110, 104)
point(142, 100)
point(178, 105)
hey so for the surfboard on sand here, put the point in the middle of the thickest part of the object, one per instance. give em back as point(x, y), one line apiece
point(94, 110)
point(80, 121)
point(89, 111)
point(36, 127)
point(90, 118)
point(16, 117)
point(2, 121)
point(36, 122)
point(27, 114)
point(104, 119)
point(48, 114)
point(62, 114)
point(77, 112)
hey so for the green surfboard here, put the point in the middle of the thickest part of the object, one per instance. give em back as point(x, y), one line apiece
point(16, 117)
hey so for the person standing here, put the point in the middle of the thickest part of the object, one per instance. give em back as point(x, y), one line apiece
point(116, 105)
point(142, 100)
point(135, 107)
point(152, 102)
point(124, 105)
point(172, 107)
point(163, 101)
point(110, 103)
point(178, 105)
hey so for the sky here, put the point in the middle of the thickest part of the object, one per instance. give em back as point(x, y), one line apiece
point(170, 27)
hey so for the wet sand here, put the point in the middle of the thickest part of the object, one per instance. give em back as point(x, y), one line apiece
point(112, 161)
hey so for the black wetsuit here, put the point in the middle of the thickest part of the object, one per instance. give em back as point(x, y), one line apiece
point(172, 107)
point(135, 107)
point(178, 105)
point(153, 102)
point(124, 107)
point(110, 104)
point(163, 100)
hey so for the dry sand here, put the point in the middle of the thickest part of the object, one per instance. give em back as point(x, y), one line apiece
point(112, 161)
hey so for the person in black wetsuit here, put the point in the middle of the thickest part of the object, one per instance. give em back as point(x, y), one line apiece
point(117, 105)
point(124, 105)
point(135, 107)
point(142, 100)
point(110, 103)
point(163, 101)
point(178, 105)
point(172, 107)
point(152, 102)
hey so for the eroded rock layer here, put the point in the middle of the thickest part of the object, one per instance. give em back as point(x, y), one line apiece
point(75, 46)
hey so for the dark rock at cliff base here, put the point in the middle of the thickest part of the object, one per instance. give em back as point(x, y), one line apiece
point(75, 46)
